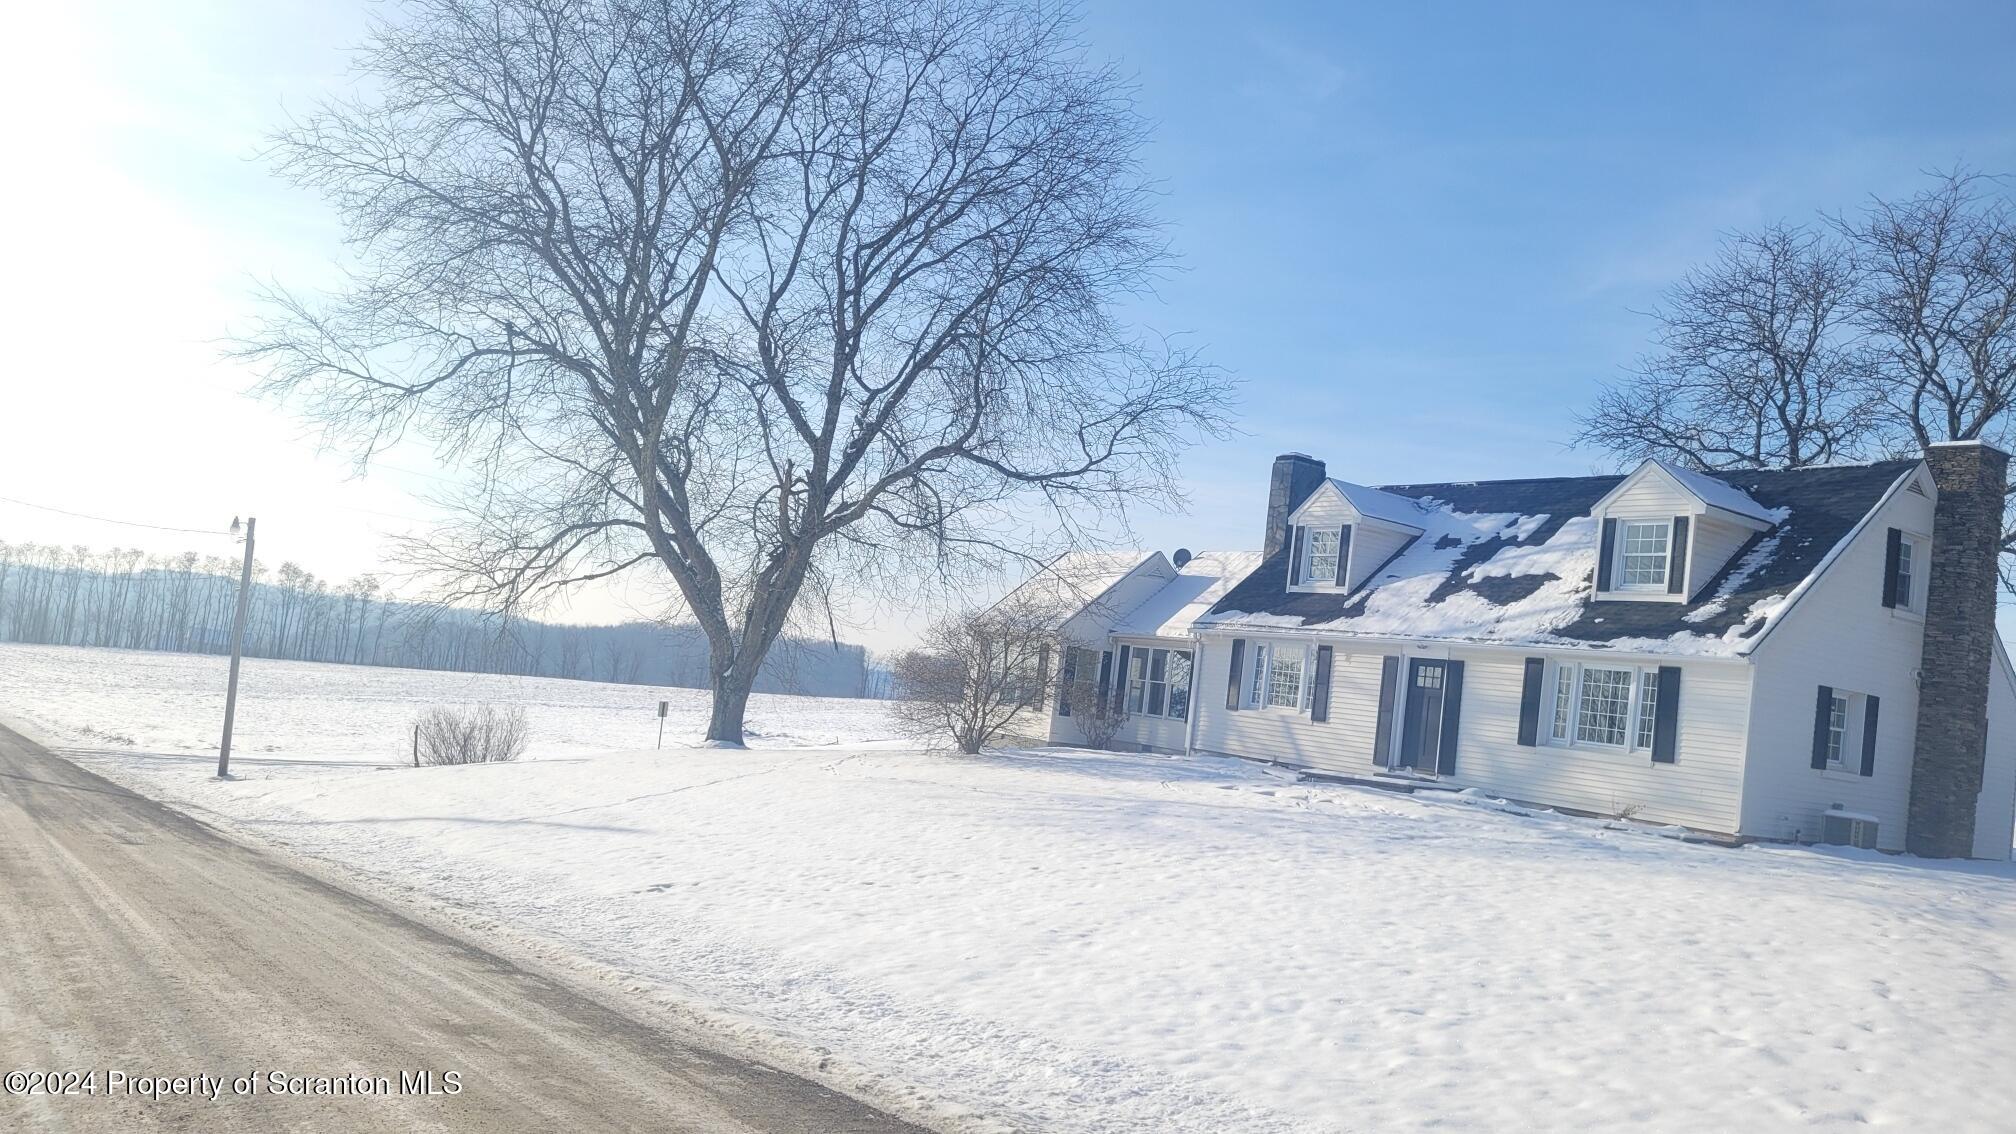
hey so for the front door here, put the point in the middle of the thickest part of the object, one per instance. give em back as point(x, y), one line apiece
point(1421, 720)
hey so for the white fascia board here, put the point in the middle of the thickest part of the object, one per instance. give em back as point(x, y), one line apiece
point(1358, 515)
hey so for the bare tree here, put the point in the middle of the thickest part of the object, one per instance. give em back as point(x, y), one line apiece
point(1754, 368)
point(975, 675)
point(1939, 308)
point(764, 295)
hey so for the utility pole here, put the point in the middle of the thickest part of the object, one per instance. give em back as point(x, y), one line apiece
point(237, 649)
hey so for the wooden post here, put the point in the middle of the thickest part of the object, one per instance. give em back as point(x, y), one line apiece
point(416, 745)
point(662, 706)
point(237, 650)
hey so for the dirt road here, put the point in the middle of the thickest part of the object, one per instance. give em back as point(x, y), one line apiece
point(136, 942)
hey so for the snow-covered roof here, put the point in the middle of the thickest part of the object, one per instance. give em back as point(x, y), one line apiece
point(1379, 504)
point(1717, 493)
point(1513, 561)
point(1076, 580)
point(1200, 583)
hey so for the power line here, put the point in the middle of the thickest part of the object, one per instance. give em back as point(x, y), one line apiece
point(110, 520)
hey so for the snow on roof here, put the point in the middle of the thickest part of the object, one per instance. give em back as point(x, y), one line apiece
point(1718, 494)
point(1513, 561)
point(1379, 504)
point(1076, 580)
point(1170, 611)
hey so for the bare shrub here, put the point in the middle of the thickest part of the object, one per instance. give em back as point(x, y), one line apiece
point(976, 674)
point(1097, 713)
point(472, 734)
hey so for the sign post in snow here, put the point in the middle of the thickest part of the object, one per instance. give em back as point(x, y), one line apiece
point(663, 708)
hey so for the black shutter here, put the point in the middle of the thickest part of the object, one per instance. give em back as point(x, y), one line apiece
point(1529, 702)
point(1120, 680)
point(1319, 694)
point(1295, 555)
point(1389, 688)
point(1105, 676)
point(1232, 682)
point(1869, 735)
point(1604, 555)
point(1676, 563)
point(1344, 555)
point(1666, 716)
point(1893, 550)
point(1452, 715)
point(1042, 676)
point(1823, 709)
point(1066, 679)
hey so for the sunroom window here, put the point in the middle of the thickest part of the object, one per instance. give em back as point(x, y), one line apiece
point(1642, 548)
point(1158, 683)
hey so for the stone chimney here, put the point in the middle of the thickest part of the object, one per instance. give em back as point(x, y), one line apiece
point(1296, 475)
point(1959, 656)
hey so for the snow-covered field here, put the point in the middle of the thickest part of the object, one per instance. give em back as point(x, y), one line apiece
point(1074, 941)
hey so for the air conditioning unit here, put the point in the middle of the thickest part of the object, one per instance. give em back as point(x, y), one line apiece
point(1839, 828)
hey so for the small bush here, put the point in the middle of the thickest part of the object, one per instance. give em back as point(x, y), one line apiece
point(479, 734)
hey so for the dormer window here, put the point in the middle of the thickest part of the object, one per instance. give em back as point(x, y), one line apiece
point(1643, 551)
point(1665, 531)
point(1322, 566)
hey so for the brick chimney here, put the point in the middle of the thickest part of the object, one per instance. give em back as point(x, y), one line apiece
point(1296, 475)
point(1959, 655)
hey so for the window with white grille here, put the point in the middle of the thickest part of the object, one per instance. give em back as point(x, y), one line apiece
point(1284, 679)
point(1642, 547)
point(1322, 567)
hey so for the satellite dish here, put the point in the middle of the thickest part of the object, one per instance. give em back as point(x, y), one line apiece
point(1181, 557)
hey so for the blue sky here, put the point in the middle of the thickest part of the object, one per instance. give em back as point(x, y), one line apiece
point(1418, 234)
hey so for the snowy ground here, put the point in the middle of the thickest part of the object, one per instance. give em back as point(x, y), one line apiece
point(1082, 942)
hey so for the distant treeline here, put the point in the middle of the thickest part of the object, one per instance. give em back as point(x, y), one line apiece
point(125, 599)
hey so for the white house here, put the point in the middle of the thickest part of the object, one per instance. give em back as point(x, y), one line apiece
point(1741, 653)
point(1127, 618)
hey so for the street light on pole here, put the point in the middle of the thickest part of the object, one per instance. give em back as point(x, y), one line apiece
point(237, 647)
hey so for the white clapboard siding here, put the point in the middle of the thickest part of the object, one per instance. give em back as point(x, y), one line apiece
point(1370, 549)
point(1838, 634)
point(1712, 543)
point(1652, 495)
point(1342, 745)
point(1152, 734)
point(1701, 788)
point(1995, 810)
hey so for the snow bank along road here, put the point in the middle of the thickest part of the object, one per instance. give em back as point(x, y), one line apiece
point(135, 940)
